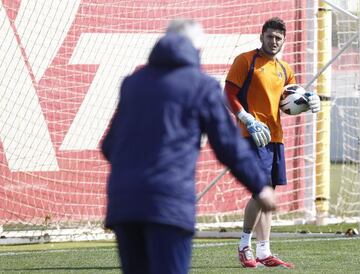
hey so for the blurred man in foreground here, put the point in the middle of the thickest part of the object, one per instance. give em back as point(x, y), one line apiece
point(153, 144)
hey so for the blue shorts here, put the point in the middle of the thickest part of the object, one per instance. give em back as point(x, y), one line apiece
point(272, 159)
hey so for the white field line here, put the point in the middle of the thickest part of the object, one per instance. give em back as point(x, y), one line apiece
point(202, 245)
point(15, 253)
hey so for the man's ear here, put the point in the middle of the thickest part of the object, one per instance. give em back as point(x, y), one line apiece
point(262, 38)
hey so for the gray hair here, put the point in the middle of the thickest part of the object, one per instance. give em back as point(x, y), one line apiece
point(188, 28)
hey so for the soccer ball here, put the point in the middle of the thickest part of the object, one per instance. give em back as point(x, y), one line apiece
point(293, 100)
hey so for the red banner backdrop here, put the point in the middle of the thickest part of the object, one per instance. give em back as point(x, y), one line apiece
point(75, 190)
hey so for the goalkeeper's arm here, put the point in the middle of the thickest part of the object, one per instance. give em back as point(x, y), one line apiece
point(259, 132)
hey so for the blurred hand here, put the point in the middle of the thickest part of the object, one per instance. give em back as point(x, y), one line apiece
point(266, 199)
point(313, 101)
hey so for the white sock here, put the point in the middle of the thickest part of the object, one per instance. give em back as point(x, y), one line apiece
point(245, 240)
point(263, 249)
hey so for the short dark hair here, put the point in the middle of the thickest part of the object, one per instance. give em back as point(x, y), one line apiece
point(274, 23)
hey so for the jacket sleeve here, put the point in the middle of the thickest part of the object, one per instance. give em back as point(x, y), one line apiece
point(107, 143)
point(225, 139)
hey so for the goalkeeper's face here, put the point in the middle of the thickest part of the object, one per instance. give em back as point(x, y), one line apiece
point(272, 41)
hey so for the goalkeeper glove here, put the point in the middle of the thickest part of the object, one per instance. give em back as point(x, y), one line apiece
point(259, 132)
point(313, 101)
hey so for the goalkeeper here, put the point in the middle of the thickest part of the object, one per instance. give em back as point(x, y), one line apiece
point(253, 87)
point(153, 144)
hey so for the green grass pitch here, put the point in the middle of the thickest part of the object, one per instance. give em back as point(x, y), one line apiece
point(310, 255)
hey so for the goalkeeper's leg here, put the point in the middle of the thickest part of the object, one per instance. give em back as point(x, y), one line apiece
point(251, 217)
point(262, 229)
point(263, 253)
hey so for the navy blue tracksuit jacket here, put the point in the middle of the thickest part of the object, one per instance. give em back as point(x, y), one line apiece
point(154, 139)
